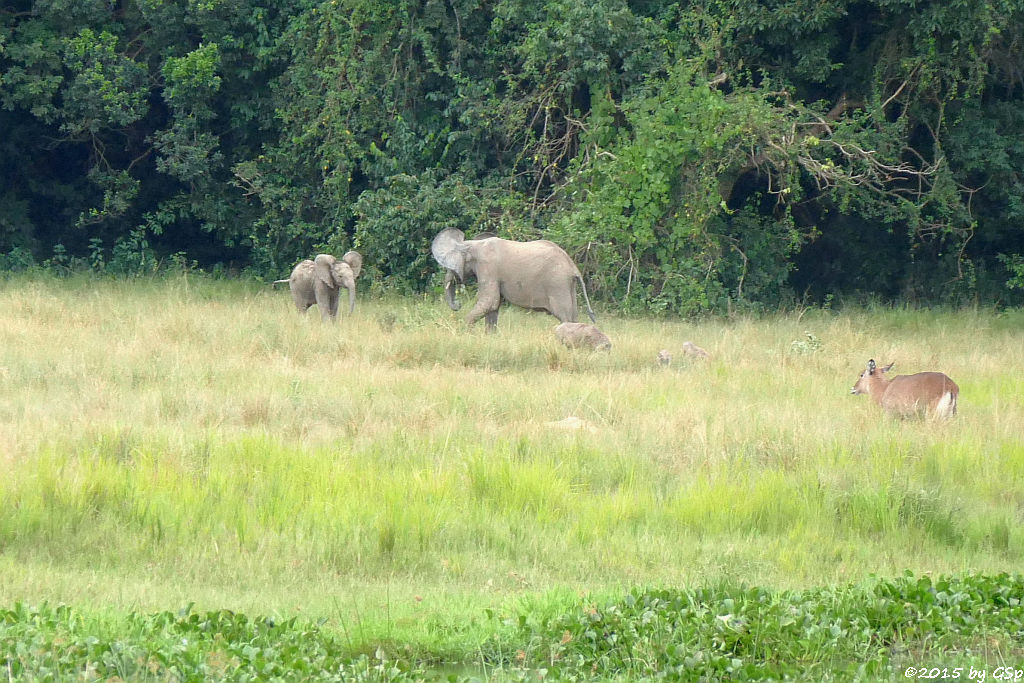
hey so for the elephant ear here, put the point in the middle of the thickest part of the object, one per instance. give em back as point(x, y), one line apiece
point(354, 261)
point(449, 251)
point(323, 268)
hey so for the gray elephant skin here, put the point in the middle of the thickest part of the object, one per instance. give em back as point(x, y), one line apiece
point(319, 282)
point(537, 275)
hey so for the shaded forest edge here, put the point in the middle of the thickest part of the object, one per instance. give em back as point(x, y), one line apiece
point(692, 158)
point(883, 629)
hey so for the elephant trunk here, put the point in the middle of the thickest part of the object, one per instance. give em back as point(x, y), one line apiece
point(450, 283)
point(352, 298)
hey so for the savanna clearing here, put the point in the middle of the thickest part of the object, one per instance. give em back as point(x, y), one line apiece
point(186, 440)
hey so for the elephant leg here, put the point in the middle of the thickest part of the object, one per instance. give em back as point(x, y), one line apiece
point(487, 302)
point(326, 301)
point(333, 305)
point(563, 308)
point(330, 310)
point(302, 302)
point(492, 321)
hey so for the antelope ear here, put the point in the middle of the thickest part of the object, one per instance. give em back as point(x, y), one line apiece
point(888, 367)
point(871, 367)
point(354, 261)
point(448, 250)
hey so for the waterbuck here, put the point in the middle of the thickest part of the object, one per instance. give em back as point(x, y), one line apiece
point(926, 393)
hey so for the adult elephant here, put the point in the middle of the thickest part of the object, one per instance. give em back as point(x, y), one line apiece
point(319, 282)
point(538, 275)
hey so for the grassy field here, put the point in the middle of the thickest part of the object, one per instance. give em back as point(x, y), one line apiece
point(186, 440)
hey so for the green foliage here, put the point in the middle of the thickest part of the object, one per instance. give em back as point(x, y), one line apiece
point(106, 90)
point(722, 632)
point(60, 263)
point(96, 97)
point(32, 73)
point(398, 221)
point(696, 158)
point(119, 191)
point(188, 151)
point(808, 345)
point(737, 633)
point(132, 255)
point(60, 642)
point(649, 207)
point(17, 259)
point(1015, 264)
point(192, 79)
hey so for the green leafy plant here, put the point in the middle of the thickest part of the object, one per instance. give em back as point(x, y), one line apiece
point(725, 631)
point(60, 642)
point(132, 255)
point(1015, 264)
point(809, 344)
point(398, 221)
point(738, 633)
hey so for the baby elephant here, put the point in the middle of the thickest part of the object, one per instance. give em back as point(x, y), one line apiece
point(575, 335)
point(318, 282)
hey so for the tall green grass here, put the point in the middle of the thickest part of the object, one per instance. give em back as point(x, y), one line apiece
point(174, 440)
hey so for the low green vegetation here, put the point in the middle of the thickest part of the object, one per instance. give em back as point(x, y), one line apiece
point(408, 497)
point(882, 630)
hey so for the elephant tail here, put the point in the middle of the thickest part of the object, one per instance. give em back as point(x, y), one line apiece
point(590, 311)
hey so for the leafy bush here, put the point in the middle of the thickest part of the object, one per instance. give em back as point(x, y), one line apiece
point(17, 259)
point(398, 221)
point(1015, 265)
point(648, 209)
point(132, 255)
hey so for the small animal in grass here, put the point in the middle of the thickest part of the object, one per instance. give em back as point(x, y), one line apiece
point(582, 335)
point(664, 357)
point(925, 394)
point(694, 351)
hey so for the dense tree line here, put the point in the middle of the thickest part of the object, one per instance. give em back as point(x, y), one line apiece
point(690, 156)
